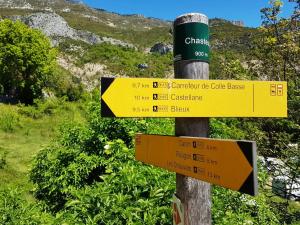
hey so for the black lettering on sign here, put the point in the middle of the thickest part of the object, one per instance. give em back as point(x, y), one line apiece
point(199, 170)
point(199, 158)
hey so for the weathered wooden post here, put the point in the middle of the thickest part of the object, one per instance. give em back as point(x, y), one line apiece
point(191, 50)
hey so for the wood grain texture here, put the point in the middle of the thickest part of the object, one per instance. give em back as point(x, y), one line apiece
point(194, 194)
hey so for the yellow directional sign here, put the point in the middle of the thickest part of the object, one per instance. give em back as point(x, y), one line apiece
point(231, 164)
point(143, 97)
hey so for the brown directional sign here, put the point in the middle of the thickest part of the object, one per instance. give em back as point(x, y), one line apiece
point(228, 163)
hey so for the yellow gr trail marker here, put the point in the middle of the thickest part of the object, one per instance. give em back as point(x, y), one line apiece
point(228, 163)
point(143, 97)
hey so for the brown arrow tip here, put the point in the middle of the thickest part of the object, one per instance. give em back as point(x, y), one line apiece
point(105, 84)
point(250, 185)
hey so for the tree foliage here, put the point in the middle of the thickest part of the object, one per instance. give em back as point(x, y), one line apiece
point(26, 61)
point(278, 45)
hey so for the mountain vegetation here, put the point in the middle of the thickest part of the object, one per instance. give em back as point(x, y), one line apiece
point(62, 163)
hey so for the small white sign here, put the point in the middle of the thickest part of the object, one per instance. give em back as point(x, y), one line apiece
point(178, 211)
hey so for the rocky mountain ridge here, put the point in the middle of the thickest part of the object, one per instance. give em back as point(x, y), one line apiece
point(77, 6)
point(126, 30)
point(63, 20)
point(56, 28)
point(34, 3)
point(78, 16)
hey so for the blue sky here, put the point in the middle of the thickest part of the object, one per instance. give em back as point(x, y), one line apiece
point(245, 10)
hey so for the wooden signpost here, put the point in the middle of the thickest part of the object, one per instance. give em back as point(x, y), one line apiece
point(191, 98)
point(195, 195)
point(228, 163)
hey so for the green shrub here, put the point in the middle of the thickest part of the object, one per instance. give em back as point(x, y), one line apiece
point(230, 207)
point(226, 128)
point(123, 129)
point(9, 120)
point(107, 188)
point(86, 159)
point(66, 85)
point(59, 169)
point(131, 193)
point(78, 158)
point(42, 108)
point(15, 210)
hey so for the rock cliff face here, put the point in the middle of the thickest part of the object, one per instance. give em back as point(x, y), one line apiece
point(50, 24)
point(56, 28)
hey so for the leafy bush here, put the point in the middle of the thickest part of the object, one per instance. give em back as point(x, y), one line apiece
point(129, 194)
point(63, 166)
point(66, 85)
point(15, 210)
point(123, 129)
point(9, 120)
point(83, 175)
point(42, 108)
point(241, 209)
point(78, 157)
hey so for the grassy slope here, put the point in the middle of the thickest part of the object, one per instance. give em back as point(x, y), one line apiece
point(27, 138)
point(226, 36)
point(122, 61)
